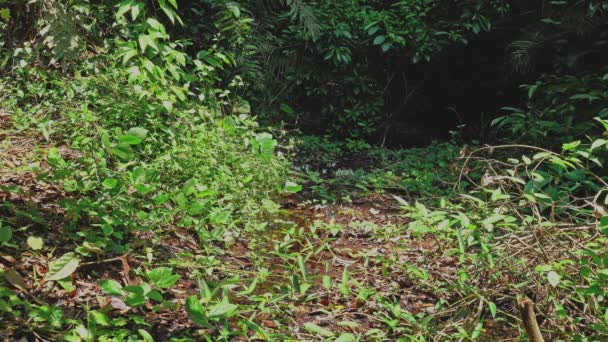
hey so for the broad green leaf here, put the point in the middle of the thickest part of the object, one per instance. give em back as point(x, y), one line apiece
point(155, 24)
point(123, 8)
point(543, 268)
point(218, 217)
point(270, 206)
point(603, 224)
point(163, 277)
point(234, 9)
point(292, 187)
point(123, 152)
point(135, 300)
point(62, 267)
point(66, 284)
point(99, 318)
point(379, 39)
point(111, 287)
point(346, 337)
point(139, 132)
point(126, 56)
point(145, 335)
point(222, 310)
point(315, 329)
point(6, 234)
point(196, 208)
point(135, 10)
point(130, 139)
point(571, 145)
point(110, 183)
point(144, 41)
point(477, 331)
point(155, 295)
point(598, 143)
point(266, 143)
point(195, 310)
point(5, 14)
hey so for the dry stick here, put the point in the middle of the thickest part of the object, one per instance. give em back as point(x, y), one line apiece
point(526, 309)
point(466, 162)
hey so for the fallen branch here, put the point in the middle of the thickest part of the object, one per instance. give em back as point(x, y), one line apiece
point(526, 309)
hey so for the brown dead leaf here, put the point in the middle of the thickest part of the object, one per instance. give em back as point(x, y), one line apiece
point(15, 279)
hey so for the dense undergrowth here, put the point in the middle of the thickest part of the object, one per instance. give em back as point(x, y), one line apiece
point(140, 199)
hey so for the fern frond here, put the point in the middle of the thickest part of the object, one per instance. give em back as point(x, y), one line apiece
point(522, 52)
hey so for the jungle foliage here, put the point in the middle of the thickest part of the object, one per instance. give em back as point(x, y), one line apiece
point(217, 170)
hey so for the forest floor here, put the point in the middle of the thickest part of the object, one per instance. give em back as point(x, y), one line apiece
point(316, 271)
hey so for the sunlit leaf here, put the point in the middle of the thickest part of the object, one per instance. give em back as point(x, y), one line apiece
point(63, 267)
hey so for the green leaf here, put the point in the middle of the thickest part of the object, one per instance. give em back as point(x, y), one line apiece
point(130, 139)
point(135, 299)
point(35, 243)
point(155, 295)
point(270, 206)
point(145, 335)
point(62, 267)
point(123, 8)
point(219, 217)
point(135, 10)
point(123, 152)
point(66, 284)
point(222, 310)
point(603, 224)
point(196, 208)
point(139, 132)
point(598, 143)
point(111, 287)
point(346, 337)
point(315, 329)
point(571, 145)
point(195, 310)
point(266, 143)
point(234, 9)
point(543, 268)
point(127, 55)
point(492, 308)
point(5, 14)
point(99, 318)
point(379, 39)
point(292, 187)
point(532, 89)
point(5, 234)
point(163, 277)
point(110, 183)
point(145, 41)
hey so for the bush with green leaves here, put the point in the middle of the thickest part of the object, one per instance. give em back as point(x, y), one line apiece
point(328, 60)
point(149, 130)
point(140, 139)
